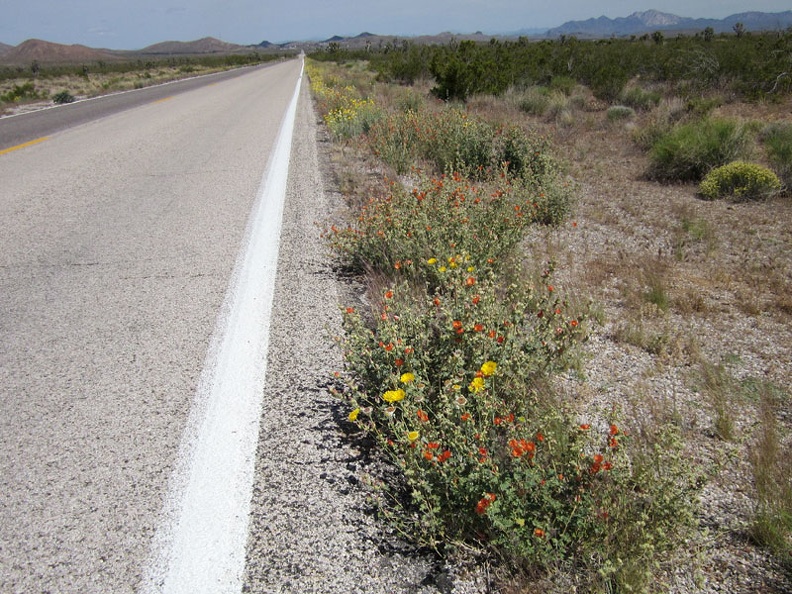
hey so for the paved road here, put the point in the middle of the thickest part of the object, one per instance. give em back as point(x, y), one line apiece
point(118, 240)
point(17, 130)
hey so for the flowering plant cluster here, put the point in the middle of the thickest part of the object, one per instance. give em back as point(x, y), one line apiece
point(449, 371)
point(441, 228)
point(344, 111)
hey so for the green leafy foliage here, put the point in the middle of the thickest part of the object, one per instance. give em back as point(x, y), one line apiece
point(777, 139)
point(689, 151)
point(24, 92)
point(752, 66)
point(63, 97)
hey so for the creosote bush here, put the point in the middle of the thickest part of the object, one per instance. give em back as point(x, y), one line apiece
point(740, 180)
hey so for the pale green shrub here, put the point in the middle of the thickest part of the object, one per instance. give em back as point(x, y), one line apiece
point(744, 181)
point(620, 112)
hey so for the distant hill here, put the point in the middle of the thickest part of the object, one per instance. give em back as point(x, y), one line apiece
point(207, 45)
point(47, 52)
point(4, 47)
point(649, 21)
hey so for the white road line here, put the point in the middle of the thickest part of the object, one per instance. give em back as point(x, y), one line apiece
point(199, 546)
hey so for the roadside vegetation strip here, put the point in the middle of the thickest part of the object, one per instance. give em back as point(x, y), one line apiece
point(200, 543)
point(42, 81)
point(23, 145)
point(449, 368)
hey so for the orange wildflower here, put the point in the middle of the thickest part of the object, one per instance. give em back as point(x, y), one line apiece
point(484, 503)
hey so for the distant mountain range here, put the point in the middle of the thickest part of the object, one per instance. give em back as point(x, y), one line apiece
point(53, 53)
point(649, 21)
point(637, 23)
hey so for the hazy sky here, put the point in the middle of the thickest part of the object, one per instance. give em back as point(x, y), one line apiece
point(133, 24)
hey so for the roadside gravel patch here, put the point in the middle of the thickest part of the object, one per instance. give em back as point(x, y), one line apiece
point(312, 526)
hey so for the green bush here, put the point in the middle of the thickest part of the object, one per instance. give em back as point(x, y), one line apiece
point(777, 139)
point(63, 97)
point(447, 219)
point(564, 84)
point(638, 98)
point(689, 151)
point(741, 180)
point(25, 91)
point(620, 112)
point(448, 374)
point(535, 101)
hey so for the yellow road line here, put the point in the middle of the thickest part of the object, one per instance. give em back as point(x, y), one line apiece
point(23, 145)
point(164, 99)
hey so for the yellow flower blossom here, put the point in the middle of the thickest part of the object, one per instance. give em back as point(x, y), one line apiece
point(413, 435)
point(489, 368)
point(431, 261)
point(354, 415)
point(406, 378)
point(393, 396)
point(477, 385)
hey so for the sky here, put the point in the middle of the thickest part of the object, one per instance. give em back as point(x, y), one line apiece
point(134, 24)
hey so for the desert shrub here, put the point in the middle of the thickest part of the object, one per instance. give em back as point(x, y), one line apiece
point(741, 180)
point(447, 219)
point(617, 113)
point(535, 101)
point(25, 91)
point(63, 97)
point(638, 98)
point(346, 113)
point(448, 374)
point(451, 141)
point(702, 107)
point(563, 84)
point(777, 140)
point(608, 81)
point(772, 467)
point(409, 100)
point(689, 151)
point(558, 105)
point(659, 122)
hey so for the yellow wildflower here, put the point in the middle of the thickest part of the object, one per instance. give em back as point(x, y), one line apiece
point(413, 435)
point(354, 415)
point(489, 368)
point(393, 395)
point(406, 378)
point(477, 385)
point(431, 261)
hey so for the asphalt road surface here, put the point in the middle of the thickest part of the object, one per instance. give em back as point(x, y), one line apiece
point(118, 240)
point(20, 129)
